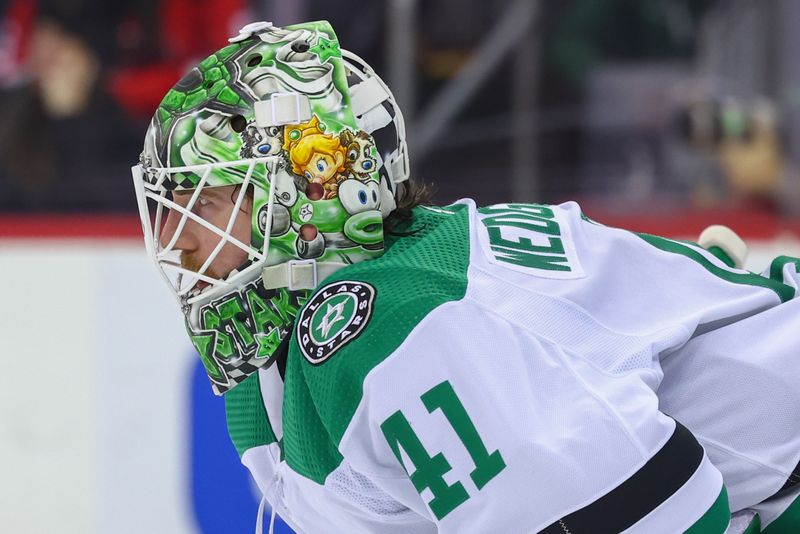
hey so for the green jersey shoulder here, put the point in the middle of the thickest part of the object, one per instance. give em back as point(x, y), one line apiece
point(355, 320)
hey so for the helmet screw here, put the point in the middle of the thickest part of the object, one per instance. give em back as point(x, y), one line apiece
point(262, 220)
point(315, 191)
point(308, 232)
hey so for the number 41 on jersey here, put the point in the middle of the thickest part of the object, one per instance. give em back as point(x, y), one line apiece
point(429, 470)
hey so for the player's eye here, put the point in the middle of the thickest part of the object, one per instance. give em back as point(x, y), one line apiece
point(198, 205)
point(308, 175)
point(201, 202)
point(321, 166)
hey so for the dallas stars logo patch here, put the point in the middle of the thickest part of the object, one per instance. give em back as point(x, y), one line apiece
point(333, 317)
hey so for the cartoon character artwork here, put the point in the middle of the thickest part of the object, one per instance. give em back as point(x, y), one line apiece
point(313, 179)
point(360, 161)
point(208, 119)
point(261, 142)
point(318, 157)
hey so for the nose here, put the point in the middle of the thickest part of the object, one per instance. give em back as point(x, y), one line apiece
point(185, 238)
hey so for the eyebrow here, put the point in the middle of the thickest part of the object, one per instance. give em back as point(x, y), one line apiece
point(213, 192)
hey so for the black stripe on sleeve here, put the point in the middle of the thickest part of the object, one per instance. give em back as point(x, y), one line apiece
point(662, 476)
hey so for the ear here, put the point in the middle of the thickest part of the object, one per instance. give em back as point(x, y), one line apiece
point(346, 137)
point(338, 157)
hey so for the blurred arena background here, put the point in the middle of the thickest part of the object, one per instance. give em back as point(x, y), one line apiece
point(661, 116)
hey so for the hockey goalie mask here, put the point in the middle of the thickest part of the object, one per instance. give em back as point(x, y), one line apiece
point(259, 177)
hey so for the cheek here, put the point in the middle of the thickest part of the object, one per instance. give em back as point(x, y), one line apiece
point(206, 239)
point(241, 228)
point(232, 256)
point(332, 168)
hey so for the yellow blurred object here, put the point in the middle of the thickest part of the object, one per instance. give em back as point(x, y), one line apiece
point(753, 164)
point(65, 70)
point(443, 64)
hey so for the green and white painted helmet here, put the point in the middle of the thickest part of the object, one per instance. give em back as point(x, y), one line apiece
point(255, 114)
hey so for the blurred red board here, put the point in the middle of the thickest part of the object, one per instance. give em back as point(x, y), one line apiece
point(78, 226)
point(753, 224)
point(748, 223)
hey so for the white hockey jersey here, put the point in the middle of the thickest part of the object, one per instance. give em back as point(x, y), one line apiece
point(496, 370)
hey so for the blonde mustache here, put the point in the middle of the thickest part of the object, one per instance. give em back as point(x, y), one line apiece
point(194, 264)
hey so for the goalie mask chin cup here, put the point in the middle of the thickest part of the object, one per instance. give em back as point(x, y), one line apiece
point(291, 119)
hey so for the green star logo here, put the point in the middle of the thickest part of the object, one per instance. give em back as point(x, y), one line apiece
point(325, 49)
point(267, 343)
point(334, 316)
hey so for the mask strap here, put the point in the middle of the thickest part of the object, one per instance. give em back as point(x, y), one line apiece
point(298, 274)
point(282, 108)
